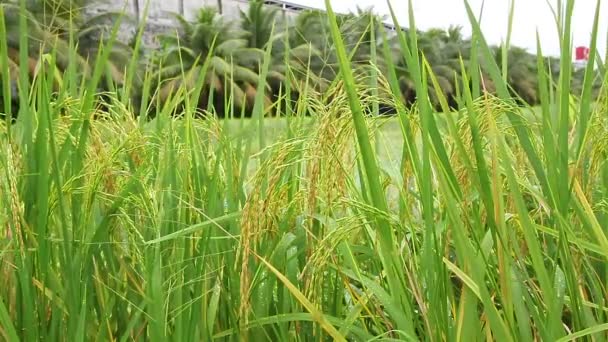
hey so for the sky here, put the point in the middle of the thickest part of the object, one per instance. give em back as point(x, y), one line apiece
point(530, 16)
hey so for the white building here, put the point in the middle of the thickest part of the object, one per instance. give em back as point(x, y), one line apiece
point(160, 18)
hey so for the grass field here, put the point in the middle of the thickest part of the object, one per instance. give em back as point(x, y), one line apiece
point(488, 223)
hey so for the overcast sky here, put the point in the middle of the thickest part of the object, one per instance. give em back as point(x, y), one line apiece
point(530, 16)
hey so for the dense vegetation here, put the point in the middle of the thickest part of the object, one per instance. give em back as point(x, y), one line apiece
point(478, 212)
point(302, 54)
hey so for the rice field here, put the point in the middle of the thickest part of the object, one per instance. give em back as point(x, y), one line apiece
point(489, 222)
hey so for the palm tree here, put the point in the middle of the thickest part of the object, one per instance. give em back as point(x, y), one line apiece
point(356, 29)
point(262, 28)
point(444, 50)
point(49, 29)
point(317, 60)
point(311, 30)
point(291, 49)
point(260, 22)
point(521, 73)
point(231, 61)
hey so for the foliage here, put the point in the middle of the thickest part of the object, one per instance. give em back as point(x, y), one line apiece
point(232, 63)
point(487, 222)
point(53, 23)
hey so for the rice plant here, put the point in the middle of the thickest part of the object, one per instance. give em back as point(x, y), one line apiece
point(153, 219)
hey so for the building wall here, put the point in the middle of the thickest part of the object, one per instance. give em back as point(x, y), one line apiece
point(160, 17)
point(163, 18)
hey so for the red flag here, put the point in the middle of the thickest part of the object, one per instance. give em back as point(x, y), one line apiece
point(582, 53)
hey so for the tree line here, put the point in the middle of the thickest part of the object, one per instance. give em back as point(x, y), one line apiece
point(229, 54)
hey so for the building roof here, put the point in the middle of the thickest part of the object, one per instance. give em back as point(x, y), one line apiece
point(290, 6)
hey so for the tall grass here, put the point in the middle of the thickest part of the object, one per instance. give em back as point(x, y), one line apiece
point(492, 225)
